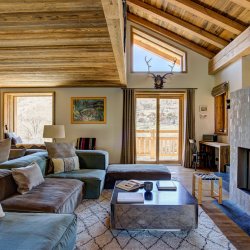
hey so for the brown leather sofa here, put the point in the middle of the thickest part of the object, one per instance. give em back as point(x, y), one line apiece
point(52, 196)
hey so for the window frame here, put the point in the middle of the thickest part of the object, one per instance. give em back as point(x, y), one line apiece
point(9, 106)
point(184, 61)
point(221, 114)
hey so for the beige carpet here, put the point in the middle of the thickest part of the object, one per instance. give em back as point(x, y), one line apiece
point(94, 232)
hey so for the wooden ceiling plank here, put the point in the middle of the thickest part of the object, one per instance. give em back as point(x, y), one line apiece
point(54, 42)
point(209, 15)
point(179, 23)
point(238, 48)
point(171, 35)
point(64, 84)
point(17, 6)
point(113, 11)
point(243, 3)
point(78, 19)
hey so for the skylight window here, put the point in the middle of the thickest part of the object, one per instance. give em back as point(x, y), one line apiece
point(161, 54)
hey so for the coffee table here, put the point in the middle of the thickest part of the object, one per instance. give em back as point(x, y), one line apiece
point(170, 210)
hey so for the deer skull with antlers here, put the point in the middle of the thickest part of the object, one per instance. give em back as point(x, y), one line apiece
point(158, 79)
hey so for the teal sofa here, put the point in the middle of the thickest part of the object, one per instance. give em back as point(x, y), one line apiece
point(93, 165)
point(24, 231)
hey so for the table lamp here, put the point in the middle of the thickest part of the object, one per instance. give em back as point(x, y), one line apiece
point(53, 131)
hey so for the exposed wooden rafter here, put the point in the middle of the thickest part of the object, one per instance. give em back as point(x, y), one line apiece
point(236, 49)
point(113, 12)
point(209, 15)
point(171, 35)
point(243, 3)
point(179, 23)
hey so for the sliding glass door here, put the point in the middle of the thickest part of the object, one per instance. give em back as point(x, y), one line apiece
point(159, 128)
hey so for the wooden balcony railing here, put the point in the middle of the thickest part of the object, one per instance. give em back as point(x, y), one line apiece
point(146, 144)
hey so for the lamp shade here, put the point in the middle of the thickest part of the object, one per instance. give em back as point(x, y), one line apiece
point(53, 131)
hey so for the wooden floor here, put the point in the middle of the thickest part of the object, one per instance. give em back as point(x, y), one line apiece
point(232, 231)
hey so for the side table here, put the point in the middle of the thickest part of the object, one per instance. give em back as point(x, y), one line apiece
point(200, 177)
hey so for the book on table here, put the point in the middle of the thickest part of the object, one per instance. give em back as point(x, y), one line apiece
point(166, 185)
point(129, 185)
point(130, 197)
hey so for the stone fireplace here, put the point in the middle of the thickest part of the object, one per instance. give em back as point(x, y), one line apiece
point(240, 148)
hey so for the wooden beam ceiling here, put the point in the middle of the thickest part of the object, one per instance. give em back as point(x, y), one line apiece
point(51, 43)
point(31, 6)
point(113, 11)
point(171, 35)
point(209, 15)
point(235, 50)
point(179, 23)
point(243, 3)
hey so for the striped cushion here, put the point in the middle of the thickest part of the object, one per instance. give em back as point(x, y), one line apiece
point(86, 143)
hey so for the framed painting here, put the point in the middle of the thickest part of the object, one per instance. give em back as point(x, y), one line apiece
point(88, 110)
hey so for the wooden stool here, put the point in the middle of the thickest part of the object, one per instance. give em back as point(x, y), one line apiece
point(207, 177)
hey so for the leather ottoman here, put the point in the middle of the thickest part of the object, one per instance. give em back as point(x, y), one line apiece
point(22, 231)
point(117, 172)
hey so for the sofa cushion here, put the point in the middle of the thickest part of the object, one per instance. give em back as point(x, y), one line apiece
point(14, 138)
point(27, 177)
point(41, 158)
point(60, 150)
point(5, 150)
point(136, 171)
point(19, 231)
point(93, 180)
point(93, 159)
point(52, 196)
point(17, 153)
point(65, 164)
point(8, 186)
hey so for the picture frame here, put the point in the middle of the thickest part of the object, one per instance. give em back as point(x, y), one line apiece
point(203, 108)
point(88, 110)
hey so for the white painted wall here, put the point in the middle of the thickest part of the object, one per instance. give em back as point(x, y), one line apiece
point(238, 76)
point(232, 74)
point(196, 77)
point(246, 71)
point(109, 136)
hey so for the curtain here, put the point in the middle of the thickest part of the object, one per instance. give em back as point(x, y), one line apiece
point(190, 127)
point(128, 155)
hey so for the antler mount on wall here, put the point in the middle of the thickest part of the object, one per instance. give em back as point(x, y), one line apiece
point(158, 79)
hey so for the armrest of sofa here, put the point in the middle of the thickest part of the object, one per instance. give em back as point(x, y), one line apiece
point(93, 159)
point(40, 157)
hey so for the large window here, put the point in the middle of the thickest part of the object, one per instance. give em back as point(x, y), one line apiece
point(161, 54)
point(159, 128)
point(27, 113)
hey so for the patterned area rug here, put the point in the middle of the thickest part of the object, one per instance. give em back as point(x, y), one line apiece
point(94, 232)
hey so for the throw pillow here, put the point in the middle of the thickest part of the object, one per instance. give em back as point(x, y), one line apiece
point(60, 150)
point(27, 177)
point(14, 138)
point(17, 153)
point(65, 164)
point(5, 150)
